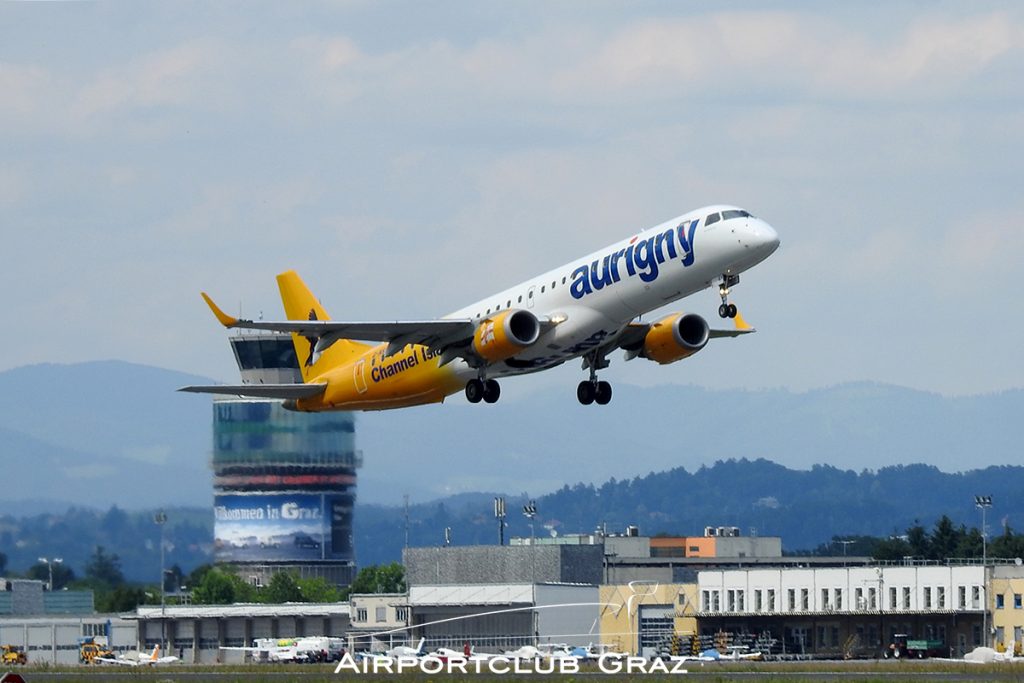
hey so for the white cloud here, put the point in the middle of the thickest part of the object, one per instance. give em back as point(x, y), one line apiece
point(25, 88)
point(172, 77)
point(764, 51)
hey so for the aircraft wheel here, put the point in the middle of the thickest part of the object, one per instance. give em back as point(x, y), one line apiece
point(603, 394)
point(723, 311)
point(492, 390)
point(474, 390)
point(586, 393)
point(732, 310)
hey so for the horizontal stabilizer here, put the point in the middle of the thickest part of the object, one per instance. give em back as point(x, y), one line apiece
point(741, 328)
point(282, 391)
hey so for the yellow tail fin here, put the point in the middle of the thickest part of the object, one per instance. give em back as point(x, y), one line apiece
point(300, 304)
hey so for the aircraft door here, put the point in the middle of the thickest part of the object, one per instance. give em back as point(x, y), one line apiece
point(529, 296)
point(359, 376)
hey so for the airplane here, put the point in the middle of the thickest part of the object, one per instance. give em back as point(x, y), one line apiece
point(140, 659)
point(585, 309)
point(468, 653)
point(396, 652)
point(734, 653)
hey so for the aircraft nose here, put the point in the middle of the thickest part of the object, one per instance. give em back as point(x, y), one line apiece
point(762, 236)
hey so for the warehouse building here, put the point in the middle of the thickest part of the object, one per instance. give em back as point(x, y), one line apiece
point(852, 611)
point(197, 634)
point(55, 639)
point(505, 616)
point(48, 625)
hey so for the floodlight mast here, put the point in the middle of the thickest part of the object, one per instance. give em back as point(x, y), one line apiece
point(160, 519)
point(983, 503)
point(49, 562)
point(499, 514)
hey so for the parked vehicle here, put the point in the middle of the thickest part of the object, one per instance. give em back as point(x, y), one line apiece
point(13, 654)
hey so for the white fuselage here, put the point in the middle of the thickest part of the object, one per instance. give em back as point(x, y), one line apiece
point(594, 297)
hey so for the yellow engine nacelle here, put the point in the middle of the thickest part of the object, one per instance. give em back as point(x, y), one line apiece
point(506, 334)
point(678, 336)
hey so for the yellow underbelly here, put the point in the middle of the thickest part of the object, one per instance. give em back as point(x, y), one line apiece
point(411, 377)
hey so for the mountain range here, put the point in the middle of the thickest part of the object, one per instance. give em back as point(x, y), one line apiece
point(807, 508)
point(110, 432)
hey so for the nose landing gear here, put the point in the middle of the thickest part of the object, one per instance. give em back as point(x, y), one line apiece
point(727, 310)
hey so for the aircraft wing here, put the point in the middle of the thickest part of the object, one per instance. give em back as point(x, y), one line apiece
point(434, 333)
point(282, 391)
point(632, 337)
point(118, 661)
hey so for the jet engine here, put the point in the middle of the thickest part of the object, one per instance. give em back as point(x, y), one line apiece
point(506, 334)
point(675, 337)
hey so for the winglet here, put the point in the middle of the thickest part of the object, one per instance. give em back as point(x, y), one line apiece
point(225, 319)
point(741, 324)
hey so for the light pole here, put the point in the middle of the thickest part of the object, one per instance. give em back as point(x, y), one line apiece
point(984, 503)
point(499, 514)
point(844, 544)
point(49, 567)
point(160, 518)
point(530, 512)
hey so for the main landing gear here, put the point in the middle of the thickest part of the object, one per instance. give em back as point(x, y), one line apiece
point(727, 310)
point(487, 389)
point(592, 391)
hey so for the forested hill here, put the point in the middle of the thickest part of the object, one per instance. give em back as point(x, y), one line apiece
point(804, 507)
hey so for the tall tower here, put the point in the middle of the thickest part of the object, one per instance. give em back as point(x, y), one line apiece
point(284, 482)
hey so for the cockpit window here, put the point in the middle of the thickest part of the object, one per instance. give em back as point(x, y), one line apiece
point(713, 218)
point(734, 213)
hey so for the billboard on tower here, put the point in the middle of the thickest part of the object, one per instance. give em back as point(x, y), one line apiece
point(272, 527)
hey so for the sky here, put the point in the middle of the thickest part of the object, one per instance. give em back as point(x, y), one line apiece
point(409, 158)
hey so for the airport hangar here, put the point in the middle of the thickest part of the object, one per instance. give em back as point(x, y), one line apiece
point(651, 598)
point(499, 598)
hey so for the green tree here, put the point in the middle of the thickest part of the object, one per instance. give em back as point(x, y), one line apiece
point(282, 588)
point(918, 539)
point(215, 588)
point(220, 587)
point(318, 589)
point(944, 539)
point(969, 544)
point(196, 576)
point(385, 578)
point(892, 548)
point(104, 570)
point(3, 563)
point(123, 598)
point(1007, 545)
